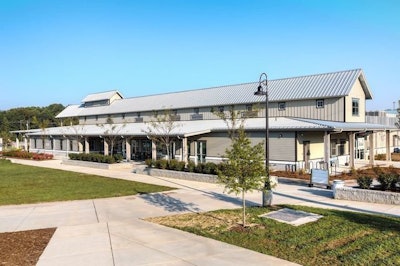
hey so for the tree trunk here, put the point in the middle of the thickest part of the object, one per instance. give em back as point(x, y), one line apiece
point(244, 209)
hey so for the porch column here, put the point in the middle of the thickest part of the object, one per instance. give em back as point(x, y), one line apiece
point(351, 149)
point(105, 147)
point(128, 149)
point(327, 152)
point(153, 150)
point(87, 148)
point(184, 150)
point(17, 143)
point(26, 143)
point(195, 152)
point(371, 148)
point(388, 153)
point(80, 146)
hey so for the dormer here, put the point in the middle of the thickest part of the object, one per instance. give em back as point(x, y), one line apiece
point(101, 99)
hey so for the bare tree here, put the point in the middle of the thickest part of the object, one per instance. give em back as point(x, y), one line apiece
point(111, 132)
point(160, 128)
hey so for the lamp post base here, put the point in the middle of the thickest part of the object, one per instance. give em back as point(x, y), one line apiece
point(267, 197)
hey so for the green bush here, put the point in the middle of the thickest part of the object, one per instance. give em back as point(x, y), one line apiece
point(364, 182)
point(210, 168)
point(118, 158)
point(149, 162)
point(387, 181)
point(199, 168)
point(95, 157)
point(190, 166)
point(180, 166)
point(161, 164)
point(172, 164)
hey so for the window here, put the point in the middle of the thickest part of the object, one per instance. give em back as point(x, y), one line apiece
point(138, 114)
point(174, 112)
point(333, 147)
point(97, 117)
point(221, 109)
point(249, 107)
point(320, 103)
point(196, 111)
point(355, 106)
point(282, 106)
point(123, 116)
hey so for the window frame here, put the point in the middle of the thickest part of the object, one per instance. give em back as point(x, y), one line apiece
point(281, 106)
point(355, 106)
point(320, 103)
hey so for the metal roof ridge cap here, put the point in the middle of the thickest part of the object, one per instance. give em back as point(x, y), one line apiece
point(312, 121)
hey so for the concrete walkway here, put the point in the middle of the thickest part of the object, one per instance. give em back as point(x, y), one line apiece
point(111, 231)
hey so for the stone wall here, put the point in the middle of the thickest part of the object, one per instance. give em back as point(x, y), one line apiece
point(179, 175)
point(97, 165)
point(367, 195)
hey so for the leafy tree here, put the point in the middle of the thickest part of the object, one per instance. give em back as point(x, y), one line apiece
point(244, 170)
point(5, 131)
point(160, 128)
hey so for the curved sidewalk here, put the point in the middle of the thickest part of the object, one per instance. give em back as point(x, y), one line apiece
point(111, 231)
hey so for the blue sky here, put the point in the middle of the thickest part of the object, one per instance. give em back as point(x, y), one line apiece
point(59, 51)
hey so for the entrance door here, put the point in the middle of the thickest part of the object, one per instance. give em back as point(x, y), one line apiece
point(306, 154)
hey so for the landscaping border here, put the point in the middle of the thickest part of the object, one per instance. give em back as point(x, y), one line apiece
point(180, 175)
point(98, 165)
point(367, 195)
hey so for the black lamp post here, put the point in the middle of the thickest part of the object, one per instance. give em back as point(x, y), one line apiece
point(263, 81)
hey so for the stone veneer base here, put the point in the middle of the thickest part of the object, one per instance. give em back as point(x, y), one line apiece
point(179, 175)
point(367, 195)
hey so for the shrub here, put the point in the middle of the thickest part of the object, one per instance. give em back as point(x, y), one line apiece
point(180, 166)
point(149, 162)
point(95, 157)
point(172, 164)
point(210, 168)
point(118, 158)
point(387, 181)
point(190, 166)
point(161, 164)
point(199, 168)
point(364, 182)
point(380, 157)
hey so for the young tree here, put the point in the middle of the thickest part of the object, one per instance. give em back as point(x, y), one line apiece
point(244, 169)
point(160, 128)
point(233, 120)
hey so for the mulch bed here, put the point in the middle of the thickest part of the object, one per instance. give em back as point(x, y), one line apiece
point(24, 247)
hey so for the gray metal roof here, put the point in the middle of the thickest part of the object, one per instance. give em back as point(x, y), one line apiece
point(190, 128)
point(337, 84)
point(100, 96)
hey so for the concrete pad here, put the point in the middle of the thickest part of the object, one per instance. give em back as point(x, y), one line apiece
point(87, 259)
point(292, 217)
point(76, 244)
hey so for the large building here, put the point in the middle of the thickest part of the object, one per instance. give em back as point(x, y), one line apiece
point(313, 120)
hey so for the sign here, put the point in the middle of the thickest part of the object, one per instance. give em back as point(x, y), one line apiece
point(319, 176)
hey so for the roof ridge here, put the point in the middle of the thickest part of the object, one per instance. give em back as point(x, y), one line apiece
point(320, 74)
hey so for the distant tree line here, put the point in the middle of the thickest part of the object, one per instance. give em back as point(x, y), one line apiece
point(30, 118)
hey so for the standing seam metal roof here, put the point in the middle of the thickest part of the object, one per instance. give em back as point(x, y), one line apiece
point(328, 85)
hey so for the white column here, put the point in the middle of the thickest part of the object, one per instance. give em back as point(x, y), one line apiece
point(371, 148)
point(351, 149)
point(184, 150)
point(105, 147)
point(128, 149)
point(153, 150)
point(195, 152)
point(327, 150)
point(26, 143)
point(388, 153)
point(87, 148)
point(17, 143)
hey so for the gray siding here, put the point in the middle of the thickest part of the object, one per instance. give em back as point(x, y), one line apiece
point(282, 146)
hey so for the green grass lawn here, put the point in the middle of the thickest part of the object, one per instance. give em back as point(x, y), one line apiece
point(27, 184)
point(339, 238)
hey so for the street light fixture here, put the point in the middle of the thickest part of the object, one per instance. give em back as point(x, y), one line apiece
point(263, 82)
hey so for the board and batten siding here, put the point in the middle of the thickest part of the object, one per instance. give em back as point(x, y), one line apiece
point(333, 109)
point(282, 146)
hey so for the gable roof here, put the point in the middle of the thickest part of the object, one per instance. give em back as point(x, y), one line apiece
point(328, 85)
point(101, 96)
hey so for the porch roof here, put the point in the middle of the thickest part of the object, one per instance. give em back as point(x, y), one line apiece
point(200, 127)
